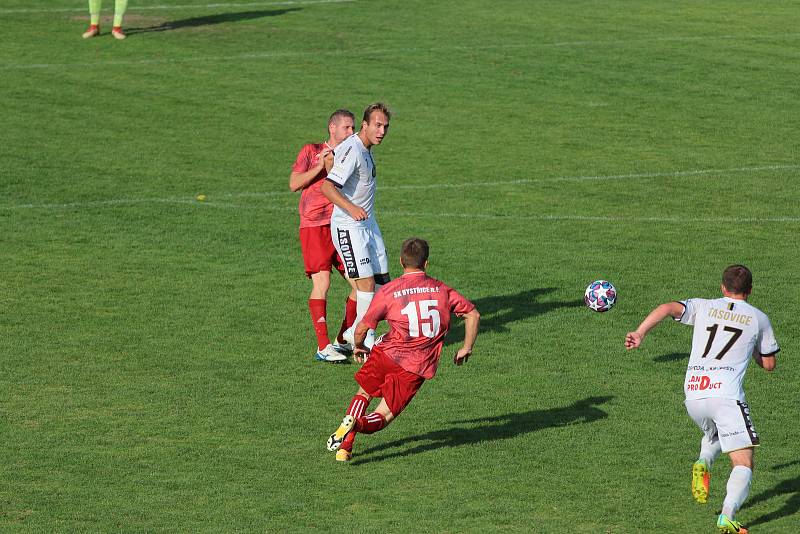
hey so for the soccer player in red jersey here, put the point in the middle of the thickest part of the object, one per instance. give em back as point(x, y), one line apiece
point(319, 255)
point(417, 308)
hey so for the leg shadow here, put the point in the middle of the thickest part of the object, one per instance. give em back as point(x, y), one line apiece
point(674, 357)
point(789, 487)
point(211, 19)
point(491, 428)
point(784, 466)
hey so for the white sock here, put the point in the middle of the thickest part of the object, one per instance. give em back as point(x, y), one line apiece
point(363, 300)
point(738, 488)
point(710, 450)
point(369, 341)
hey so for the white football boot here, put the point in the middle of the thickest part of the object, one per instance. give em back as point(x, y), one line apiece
point(330, 354)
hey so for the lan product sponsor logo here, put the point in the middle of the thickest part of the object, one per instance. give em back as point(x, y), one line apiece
point(702, 383)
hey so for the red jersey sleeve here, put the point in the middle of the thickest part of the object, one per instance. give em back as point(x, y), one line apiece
point(303, 161)
point(459, 303)
point(377, 309)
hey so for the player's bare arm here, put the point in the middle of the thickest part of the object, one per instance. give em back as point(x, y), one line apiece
point(669, 309)
point(300, 180)
point(360, 351)
point(471, 322)
point(765, 361)
point(331, 193)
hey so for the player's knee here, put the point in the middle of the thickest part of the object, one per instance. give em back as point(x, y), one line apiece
point(388, 416)
point(321, 281)
point(747, 464)
point(319, 292)
point(743, 457)
point(365, 284)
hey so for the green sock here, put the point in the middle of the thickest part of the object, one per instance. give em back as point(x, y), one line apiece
point(94, 11)
point(119, 10)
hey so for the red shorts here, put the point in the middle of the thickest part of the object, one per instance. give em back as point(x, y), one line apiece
point(319, 254)
point(380, 376)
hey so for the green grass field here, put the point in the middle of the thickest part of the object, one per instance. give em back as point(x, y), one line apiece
point(156, 367)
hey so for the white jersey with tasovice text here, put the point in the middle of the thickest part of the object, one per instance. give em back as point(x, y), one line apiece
point(353, 173)
point(726, 331)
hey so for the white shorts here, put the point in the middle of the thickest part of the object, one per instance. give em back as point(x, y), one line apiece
point(725, 419)
point(361, 249)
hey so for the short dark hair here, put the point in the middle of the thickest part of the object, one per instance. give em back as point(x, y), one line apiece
point(341, 113)
point(414, 253)
point(737, 279)
point(377, 106)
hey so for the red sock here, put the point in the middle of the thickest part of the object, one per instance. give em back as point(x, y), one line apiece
point(350, 312)
point(357, 408)
point(317, 307)
point(370, 423)
point(347, 444)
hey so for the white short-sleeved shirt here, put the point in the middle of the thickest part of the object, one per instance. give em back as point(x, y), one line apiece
point(353, 173)
point(726, 331)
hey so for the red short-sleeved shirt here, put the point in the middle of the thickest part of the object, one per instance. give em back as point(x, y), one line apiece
point(315, 208)
point(417, 308)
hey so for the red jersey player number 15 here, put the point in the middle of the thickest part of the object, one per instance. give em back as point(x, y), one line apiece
point(417, 308)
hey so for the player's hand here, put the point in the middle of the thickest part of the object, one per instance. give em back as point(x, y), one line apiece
point(360, 354)
point(320, 163)
point(327, 156)
point(462, 356)
point(358, 213)
point(633, 340)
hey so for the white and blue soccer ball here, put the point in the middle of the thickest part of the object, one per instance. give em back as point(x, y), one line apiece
point(600, 296)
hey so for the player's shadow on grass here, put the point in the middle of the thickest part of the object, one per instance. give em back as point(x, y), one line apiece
point(674, 357)
point(500, 310)
point(207, 20)
point(790, 487)
point(490, 428)
point(785, 465)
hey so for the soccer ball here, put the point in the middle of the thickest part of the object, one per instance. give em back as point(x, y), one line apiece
point(600, 296)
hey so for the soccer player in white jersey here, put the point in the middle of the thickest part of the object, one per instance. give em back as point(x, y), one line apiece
point(727, 333)
point(350, 185)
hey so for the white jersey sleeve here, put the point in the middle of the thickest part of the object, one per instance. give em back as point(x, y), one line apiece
point(689, 311)
point(767, 345)
point(344, 164)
